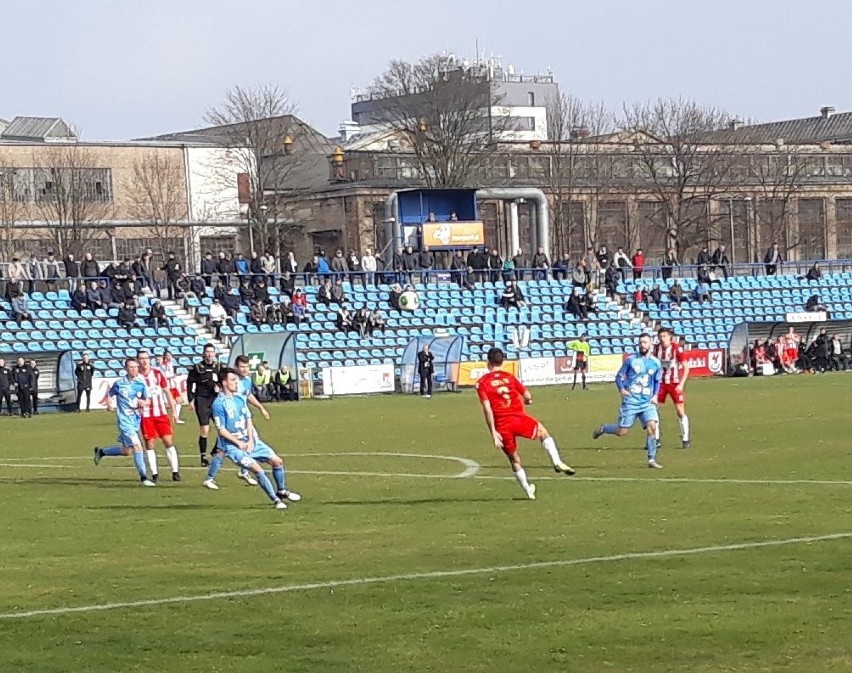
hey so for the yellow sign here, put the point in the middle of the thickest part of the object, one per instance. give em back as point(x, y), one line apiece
point(471, 372)
point(453, 234)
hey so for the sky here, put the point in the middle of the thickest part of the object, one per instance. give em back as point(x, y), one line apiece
point(120, 69)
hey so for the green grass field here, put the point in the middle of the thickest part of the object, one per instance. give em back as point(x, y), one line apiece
point(559, 584)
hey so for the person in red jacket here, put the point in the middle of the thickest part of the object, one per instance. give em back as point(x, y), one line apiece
point(638, 264)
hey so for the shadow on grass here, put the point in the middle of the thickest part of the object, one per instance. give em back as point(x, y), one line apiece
point(140, 506)
point(410, 501)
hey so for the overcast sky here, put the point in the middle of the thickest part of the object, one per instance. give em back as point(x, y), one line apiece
point(120, 69)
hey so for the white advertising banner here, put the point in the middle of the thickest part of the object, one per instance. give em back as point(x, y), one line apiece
point(358, 380)
point(101, 386)
point(543, 372)
point(807, 316)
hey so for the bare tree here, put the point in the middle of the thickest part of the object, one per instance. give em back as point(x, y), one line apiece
point(272, 150)
point(157, 197)
point(573, 126)
point(11, 212)
point(73, 195)
point(677, 164)
point(443, 113)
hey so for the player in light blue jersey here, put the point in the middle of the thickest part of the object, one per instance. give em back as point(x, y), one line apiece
point(238, 441)
point(638, 382)
point(130, 394)
point(245, 389)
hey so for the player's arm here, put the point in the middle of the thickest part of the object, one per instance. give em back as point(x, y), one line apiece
point(655, 385)
point(220, 422)
point(522, 391)
point(145, 396)
point(164, 385)
point(681, 358)
point(252, 400)
point(621, 378)
point(112, 393)
point(252, 434)
point(488, 412)
point(190, 388)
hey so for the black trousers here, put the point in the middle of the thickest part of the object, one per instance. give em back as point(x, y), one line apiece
point(88, 393)
point(25, 401)
point(6, 396)
point(426, 384)
point(35, 401)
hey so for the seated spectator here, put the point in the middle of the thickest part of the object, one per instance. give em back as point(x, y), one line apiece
point(261, 291)
point(157, 315)
point(20, 309)
point(257, 314)
point(288, 283)
point(274, 315)
point(359, 321)
point(468, 280)
point(127, 315)
point(814, 273)
point(587, 305)
point(703, 274)
point(579, 277)
point(837, 357)
point(575, 306)
point(184, 286)
point(218, 317)
point(93, 297)
point(702, 292)
point(78, 298)
point(106, 293)
point(655, 295)
point(118, 296)
point(197, 287)
point(219, 291)
point(512, 296)
point(246, 292)
point(231, 302)
point(299, 306)
point(338, 296)
point(344, 320)
point(286, 314)
point(676, 295)
point(282, 383)
point(813, 305)
point(262, 381)
point(393, 297)
point(638, 297)
point(562, 268)
point(376, 322)
point(324, 292)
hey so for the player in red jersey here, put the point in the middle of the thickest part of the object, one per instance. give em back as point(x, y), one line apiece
point(503, 398)
point(166, 365)
point(675, 374)
point(155, 417)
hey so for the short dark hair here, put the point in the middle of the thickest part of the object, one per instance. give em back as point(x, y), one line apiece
point(141, 352)
point(495, 356)
point(645, 335)
point(225, 371)
point(665, 329)
point(208, 345)
point(127, 361)
point(241, 360)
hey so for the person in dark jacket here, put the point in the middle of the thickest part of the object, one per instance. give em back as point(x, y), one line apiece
point(197, 287)
point(261, 291)
point(611, 278)
point(426, 370)
point(72, 271)
point(541, 264)
point(89, 267)
point(410, 262)
point(288, 283)
point(225, 268)
point(157, 315)
point(84, 372)
point(772, 259)
point(208, 269)
point(562, 268)
point(704, 257)
point(495, 264)
point(255, 266)
point(721, 261)
point(22, 379)
point(814, 273)
point(5, 386)
point(426, 262)
point(173, 270)
point(338, 264)
point(458, 268)
point(36, 374)
point(246, 292)
point(127, 315)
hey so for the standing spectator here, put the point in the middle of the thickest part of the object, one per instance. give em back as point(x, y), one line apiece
point(290, 264)
point(369, 266)
point(562, 268)
point(593, 267)
point(704, 257)
point(225, 268)
point(477, 262)
point(720, 260)
point(426, 261)
point(84, 372)
point(18, 272)
point(578, 276)
point(145, 271)
point(172, 271)
point(772, 259)
point(381, 267)
point(72, 271)
point(611, 279)
point(838, 359)
point(622, 262)
point(426, 370)
point(638, 262)
point(51, 271)
point(338, 264)
point(495, 264)
point(508, 270)
point(208, 269)
point(22, 379)
point(541, 264)
point(36, 272)
point(36, 374)
point(603, 258)
point(520, 263)
point(669, 262)
point(89, 269)
point(5, 386)
point(20, 309)
point(323, 267)
point(262, 380)
point(353, 263)
point(311, 270)
point(217, 317)
point(410, 263)
point(269, 267)
point(458, 268)
point(241, 266)
point(255, 266)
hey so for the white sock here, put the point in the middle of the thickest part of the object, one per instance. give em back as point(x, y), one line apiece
point(178, 407)
point(521, 476)
point(152, 461)
point(657, 432)
point(684, 428)
point(172, 457)
point(549, 445)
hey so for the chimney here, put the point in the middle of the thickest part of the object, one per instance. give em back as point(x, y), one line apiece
point(735, 124)
point(826, 112)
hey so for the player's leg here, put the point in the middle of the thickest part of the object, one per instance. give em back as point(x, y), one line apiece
point(650, 418)
point(202, 413)
point(574, 382)
point(110, 452)
point(262, 480)
point(278, 474)
point(171, 455)
point(626, 418)
point(151, 456)
point(178, 406)
point(510, 448)
point(549, 445)
point(134, 442)
point(583, 371)
point(683, 420)
point(217, 457)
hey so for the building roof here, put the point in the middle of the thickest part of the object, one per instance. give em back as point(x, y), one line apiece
point(38, 128)
point(827, 127)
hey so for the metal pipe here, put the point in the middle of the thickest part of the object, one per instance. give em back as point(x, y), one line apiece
point(542, 238)
point(514, 233)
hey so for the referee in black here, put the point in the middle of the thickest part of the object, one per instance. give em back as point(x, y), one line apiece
point(202, 386)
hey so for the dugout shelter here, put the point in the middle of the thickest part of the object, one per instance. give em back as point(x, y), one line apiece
point(447, 351)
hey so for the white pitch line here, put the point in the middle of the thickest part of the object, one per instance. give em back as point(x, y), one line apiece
point(410, 577)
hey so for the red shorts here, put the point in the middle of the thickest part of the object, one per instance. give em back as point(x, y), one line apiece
point(666, 389)
point(156, 427)
point(792, 354)
point(512, 427)
point(175, 393)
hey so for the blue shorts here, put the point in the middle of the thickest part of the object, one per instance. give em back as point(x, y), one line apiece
point(261, 453)
point(627, 415)
point(129, 438)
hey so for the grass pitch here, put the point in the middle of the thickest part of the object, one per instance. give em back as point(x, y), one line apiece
point(386, 498)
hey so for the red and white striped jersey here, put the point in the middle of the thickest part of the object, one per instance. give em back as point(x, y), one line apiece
point(157, 388)
point(672, 359)
point(168, 370)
